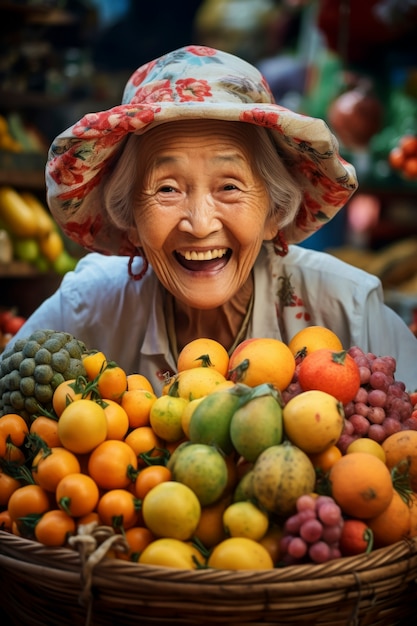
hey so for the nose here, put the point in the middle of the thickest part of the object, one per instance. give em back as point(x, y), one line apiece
point(200, 216)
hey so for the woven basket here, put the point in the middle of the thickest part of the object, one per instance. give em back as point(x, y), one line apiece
point(58, 586)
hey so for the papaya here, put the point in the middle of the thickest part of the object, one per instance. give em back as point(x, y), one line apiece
point(45, 221)
point(16, 215)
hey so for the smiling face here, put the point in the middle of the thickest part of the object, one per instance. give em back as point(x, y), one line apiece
point(201, 209)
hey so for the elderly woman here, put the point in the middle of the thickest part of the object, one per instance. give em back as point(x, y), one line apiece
point(190, 196)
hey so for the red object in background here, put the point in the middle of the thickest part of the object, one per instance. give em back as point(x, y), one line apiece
point(355, 116)
point(10, 322)
point(357, 29)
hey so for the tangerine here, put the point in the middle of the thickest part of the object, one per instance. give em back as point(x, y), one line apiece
point(262, 360)
point(210, 530)
point(117, 420)
point(324, 460)
point(204, 352)
point(139, 381)
point(313, 338)
point(94, 362)
point(401, 452)
point(393, 524)
point(361, 485)
point(138, 403)
point(112, 382)
point(145, 443)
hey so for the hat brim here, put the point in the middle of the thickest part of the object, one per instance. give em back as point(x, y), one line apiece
point(79, 158)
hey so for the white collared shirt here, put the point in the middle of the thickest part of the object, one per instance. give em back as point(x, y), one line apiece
point(101, 305)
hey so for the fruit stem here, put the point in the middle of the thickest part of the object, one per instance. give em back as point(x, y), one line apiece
point(237, 374)
point(339, 357)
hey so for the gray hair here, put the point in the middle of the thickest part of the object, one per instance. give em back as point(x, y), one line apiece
point(285, 193)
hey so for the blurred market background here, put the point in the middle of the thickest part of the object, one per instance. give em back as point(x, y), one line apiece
point(351, 62)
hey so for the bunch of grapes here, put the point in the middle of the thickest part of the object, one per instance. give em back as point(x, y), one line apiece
point(312, 534)
point(382, 406)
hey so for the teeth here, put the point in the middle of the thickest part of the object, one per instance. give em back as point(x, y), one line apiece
point(205, 256)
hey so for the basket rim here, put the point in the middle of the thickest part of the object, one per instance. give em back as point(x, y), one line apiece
point(401, 556)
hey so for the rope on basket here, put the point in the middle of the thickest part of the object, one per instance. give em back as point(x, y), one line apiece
point(93, 543)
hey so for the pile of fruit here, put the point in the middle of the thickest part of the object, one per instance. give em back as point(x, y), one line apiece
point(28, 233)
point(403, 157)
point(277, 455)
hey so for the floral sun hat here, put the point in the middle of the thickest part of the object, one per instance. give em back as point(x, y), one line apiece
point(193, 82)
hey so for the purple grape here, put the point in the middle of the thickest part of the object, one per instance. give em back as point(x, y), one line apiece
point(297, 548)
point(379, 380)
point(376, 415)
point(329, 513)
point(319, 552)
point(332, 534)
point(377, 397)
point(376, 432)
point(311, 530)
point(362, 409)
point(292, 524)
point(364, 374)
point(361, 395)
point(349, 408)
point(391, 426)
point(360, 424)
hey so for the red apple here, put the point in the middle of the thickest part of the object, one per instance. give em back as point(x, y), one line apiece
point(13, 324)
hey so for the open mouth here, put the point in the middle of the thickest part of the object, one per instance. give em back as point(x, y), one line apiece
point(202, 261)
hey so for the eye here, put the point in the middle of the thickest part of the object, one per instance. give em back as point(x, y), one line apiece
point(166, 189)
point(230, 187)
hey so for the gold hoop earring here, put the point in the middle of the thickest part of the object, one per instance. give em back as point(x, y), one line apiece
point(280, 244)
point(145, 265)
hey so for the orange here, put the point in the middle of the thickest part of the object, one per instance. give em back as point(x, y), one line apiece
point(13, 428)
point(408, 144)
point(336, 373)
point(144, 441)
point(204, 352)
point(396, 158)
point(314, 338)
point(326, 459)
point(94, 363)
point(117, 420)
point(361, 485)
point(210, 530)
point(138, 381)
point(137, 537)
point(262, 360)
point(410, 167)
point(393, 524)
point(138, 403)
point(64, 394)
point(112, 382)
point(272, 542)
point(401, 451)
point(150, 476)
point(47, 429)
point(8, 485)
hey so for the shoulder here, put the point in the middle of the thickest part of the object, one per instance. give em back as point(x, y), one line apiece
point(97, 277)
point(321, 266)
